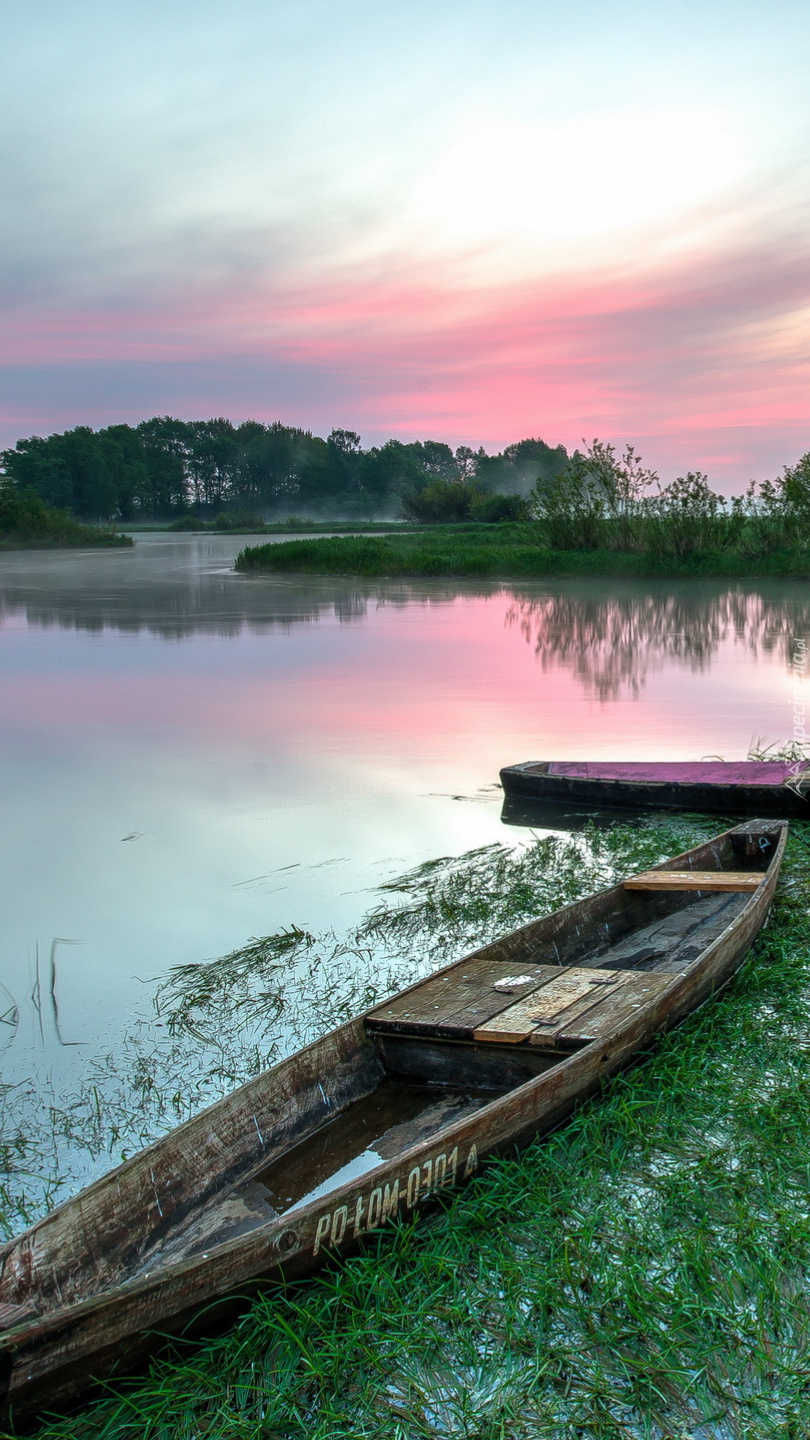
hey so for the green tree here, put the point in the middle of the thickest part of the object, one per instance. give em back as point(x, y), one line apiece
point(165, 444)
point(123, 454)
point(386, 473)
point(92, 487)
point(434, 459)
point(493, 509)
point(211, 461)
point(37, 464)
point(521, 467)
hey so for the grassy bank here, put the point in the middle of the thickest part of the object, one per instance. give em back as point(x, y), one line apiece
point(642, 1273)
point(501, 552)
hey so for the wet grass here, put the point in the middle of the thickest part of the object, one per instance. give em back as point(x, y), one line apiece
point(507, 551)
point(642, 1273)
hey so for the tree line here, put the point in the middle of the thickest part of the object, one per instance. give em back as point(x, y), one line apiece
point(594, 498)
point(168, 468)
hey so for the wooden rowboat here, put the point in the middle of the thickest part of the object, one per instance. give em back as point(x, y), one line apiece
point(374, 1121)
point(719, 787)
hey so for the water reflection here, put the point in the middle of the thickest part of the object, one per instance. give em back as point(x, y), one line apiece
point(557, 815)
point(613, 636)
point(173, 588)
point(310, 736)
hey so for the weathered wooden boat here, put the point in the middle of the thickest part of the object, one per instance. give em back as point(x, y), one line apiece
point(715, 787)
point(374, 1121)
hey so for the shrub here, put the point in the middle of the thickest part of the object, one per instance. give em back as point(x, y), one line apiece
point(225, 521)
point(26, 520)
point(686, 517)
point(186, 522)
point(497, 509)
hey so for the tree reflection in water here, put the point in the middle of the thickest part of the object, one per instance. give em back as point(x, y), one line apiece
point(613, 641)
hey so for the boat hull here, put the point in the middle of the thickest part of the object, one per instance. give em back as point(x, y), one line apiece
point(537, 782)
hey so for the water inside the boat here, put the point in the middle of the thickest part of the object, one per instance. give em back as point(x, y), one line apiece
point(377, 1128)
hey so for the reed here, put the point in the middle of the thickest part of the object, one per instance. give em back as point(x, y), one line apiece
point(642, 1273)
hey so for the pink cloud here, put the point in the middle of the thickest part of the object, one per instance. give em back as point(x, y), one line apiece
point(699, 359)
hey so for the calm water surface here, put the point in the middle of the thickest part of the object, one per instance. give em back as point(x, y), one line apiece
point(191, 757)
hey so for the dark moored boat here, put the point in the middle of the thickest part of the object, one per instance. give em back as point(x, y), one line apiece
point(376, 1119)
point(722, 787)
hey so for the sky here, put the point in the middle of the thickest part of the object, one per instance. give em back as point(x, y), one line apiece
point(475, 221)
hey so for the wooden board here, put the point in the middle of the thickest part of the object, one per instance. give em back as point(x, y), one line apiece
point(695, 880)
point(615, 1006)
point(453, 1005)
point(545, 1007)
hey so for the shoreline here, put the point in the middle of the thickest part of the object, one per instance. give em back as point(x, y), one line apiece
point(508, 557)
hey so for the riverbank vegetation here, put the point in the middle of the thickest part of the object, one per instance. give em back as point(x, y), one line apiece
point(600, 515)
point(642, 1272)
point(524, 506)
point(508, 552)
point(26, 522)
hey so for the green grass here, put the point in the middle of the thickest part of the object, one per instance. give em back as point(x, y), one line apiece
point(499, 551)
point(641, 1273)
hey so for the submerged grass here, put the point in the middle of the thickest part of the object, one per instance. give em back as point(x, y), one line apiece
point(502, 551)
point(642, 1273)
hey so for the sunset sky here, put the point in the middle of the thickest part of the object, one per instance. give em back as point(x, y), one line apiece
point(475, 221)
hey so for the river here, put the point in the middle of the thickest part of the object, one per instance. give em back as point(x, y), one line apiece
point(190, 757)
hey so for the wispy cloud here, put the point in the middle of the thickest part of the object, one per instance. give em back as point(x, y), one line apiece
point(481, 222)
point(702, 359)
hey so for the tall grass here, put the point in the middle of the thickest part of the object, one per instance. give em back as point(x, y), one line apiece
point(521, 553)
point(642, 1273)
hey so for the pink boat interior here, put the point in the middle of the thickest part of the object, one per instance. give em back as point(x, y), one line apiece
point(682, 772)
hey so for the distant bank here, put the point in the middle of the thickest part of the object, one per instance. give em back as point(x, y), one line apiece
point(503, 552)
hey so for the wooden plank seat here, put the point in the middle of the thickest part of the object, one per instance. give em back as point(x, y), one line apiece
point(738, 880)
point(580, 1005)
point(545, 1005)
point(451, 1006)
